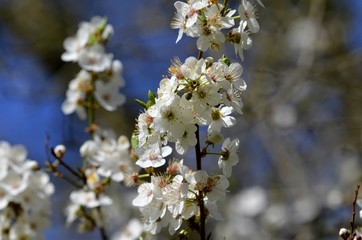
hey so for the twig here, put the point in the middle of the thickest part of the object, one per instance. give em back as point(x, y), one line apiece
point(67, 179)
point(101, 227)
point(354, 208)
point(66, 166)
point(47, 156)
point(200, 197)
point(52, 166)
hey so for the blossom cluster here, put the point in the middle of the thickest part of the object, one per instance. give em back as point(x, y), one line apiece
point(169, 199)
point(100, 76)
point(206, 19)
point(198, 92)
point(24, 195)
point(108, 159)
point(109, 155)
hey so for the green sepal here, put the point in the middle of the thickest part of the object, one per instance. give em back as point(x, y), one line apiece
point(225, 59)
point(151, 100)
point(92, 40)
point(134, 141)
point(103, 24)
point(95, 38)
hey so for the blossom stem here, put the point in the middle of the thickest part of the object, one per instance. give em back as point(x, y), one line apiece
point(70, 181)
point(202, 218)
point(101, 228)
point(197, 146)
point(94, 223)
point(214, 153)
point(354, 208)
point(200, 195)
point(146, 175)
point(103, 233)
point(199, 167)
point(66, 166)
point(91, 128)
point(91, 106)
point(91, 114)
point(66, 178)
point(225, 3)
point(199, 56)
point(197, 149)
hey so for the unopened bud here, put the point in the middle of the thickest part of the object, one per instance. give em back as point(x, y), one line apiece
point(344, 233)
point(214, 137)
point(209, 61)
point(59, 151)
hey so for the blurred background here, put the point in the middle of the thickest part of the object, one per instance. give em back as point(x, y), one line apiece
point(300, 151)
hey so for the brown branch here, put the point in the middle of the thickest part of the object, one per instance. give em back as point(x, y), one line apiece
point(354, 208)
point(199, 167)
point(69, 168)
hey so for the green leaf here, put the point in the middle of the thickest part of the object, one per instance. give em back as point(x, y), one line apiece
point(143, 104)
point(151, 97)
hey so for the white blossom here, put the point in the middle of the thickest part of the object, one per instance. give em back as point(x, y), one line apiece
point(89, 199)
point(108, 96)
point(132, 231)
point(214, 186)
point(24, 188)
point(186, 16)
point(145, 195)
point(153, 156)
point(76, 94)
point(75, 45)
point(247, 14)
point(95, 59)
point(228, 156)
point(242, 41)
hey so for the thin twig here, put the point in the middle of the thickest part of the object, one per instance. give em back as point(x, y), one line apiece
point(47, 156)
point(354, 208)
point(52, 166)
point(101, 228)
point(67, 179)
point(201, 195)
point(199, 56)
point(66, 166)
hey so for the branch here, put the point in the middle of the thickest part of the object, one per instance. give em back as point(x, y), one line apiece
point(354, 208)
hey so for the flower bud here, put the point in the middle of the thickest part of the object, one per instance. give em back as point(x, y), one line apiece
point(209, 61)
point(344, 233)
point(59, 151)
